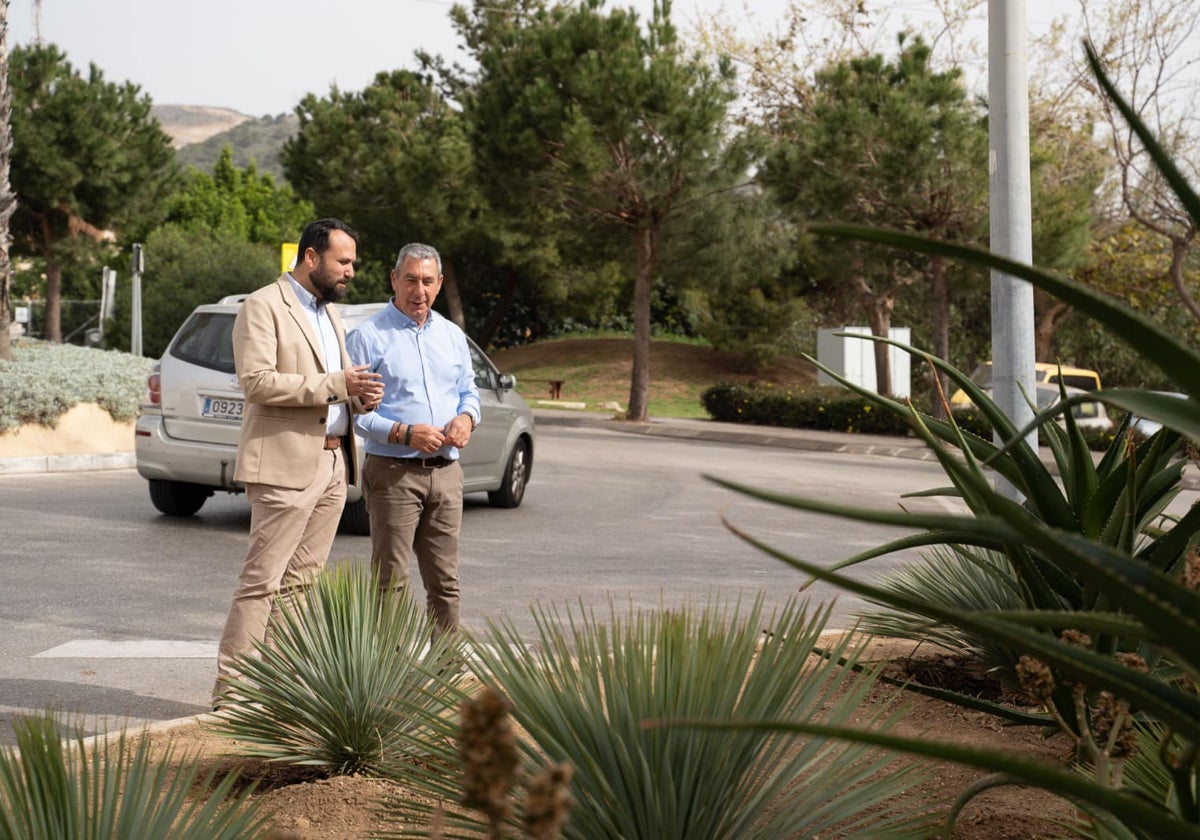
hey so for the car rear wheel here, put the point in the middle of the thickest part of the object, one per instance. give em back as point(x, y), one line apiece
point(516, 476)
point(355, 519)
point(177, 498)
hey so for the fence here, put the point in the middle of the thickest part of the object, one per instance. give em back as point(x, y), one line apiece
point(78, 319)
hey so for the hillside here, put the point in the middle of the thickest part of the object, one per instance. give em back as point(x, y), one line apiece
point(187, 124)
point(259, 140)
point(596, 370)
point(199, 133)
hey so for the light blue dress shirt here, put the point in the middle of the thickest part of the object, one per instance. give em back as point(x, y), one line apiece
point(427, 377)
point(338, 418)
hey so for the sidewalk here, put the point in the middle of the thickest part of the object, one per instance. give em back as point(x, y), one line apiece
point(741, 433)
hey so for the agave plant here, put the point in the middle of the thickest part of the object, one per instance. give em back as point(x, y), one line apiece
point(55, 788)
point(350, 683)
point(1095, 585)
point(589, 690)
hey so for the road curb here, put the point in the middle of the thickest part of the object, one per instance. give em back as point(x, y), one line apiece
point(67, 463)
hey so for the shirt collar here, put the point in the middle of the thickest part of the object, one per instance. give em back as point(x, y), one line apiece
point(404, 320)
point(307, 299)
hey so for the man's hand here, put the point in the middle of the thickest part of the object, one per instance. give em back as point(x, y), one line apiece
point(426, 438)
point(458, 431)
point(365, 385)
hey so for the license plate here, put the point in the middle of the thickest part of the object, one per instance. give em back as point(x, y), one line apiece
point(221, 408)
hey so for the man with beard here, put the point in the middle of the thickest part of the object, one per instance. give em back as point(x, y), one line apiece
point(297, 446)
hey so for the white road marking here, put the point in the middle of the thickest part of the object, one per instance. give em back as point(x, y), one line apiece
point(132, 649)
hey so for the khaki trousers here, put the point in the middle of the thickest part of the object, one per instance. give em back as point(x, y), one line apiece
point(291, 532)
point(414, 510)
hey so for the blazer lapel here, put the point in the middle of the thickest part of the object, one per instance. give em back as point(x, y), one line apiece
point(296, 311)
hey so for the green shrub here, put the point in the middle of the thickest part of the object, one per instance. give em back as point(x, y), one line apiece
point(828, 407)
point(45, 380)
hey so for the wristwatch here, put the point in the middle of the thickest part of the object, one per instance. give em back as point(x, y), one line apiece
point(470, 417)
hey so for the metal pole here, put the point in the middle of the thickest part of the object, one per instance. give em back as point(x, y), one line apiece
point(1010, 205)
point(107, 281)
point(135, 321)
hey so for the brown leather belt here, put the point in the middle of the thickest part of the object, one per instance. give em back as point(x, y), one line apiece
point(426, 463)
point(334, 441)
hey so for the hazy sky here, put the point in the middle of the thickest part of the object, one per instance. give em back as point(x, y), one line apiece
point(262, 56)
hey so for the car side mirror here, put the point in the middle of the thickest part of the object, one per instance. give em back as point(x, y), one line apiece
point(507, 382)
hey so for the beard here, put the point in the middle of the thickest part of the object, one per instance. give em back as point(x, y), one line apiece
point(326, 286)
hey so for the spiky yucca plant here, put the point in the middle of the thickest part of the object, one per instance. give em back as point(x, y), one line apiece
point(51, 788)
point(350, 683)
point(965, 577)
point(589, 691)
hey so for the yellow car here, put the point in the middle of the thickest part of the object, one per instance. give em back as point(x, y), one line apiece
point(1045, 373)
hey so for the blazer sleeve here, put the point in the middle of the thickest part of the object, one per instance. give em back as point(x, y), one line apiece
point(275, 363)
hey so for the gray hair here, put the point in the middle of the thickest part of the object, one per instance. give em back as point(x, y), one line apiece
point(419, 251)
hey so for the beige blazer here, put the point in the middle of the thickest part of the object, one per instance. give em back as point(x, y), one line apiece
point(288, 391)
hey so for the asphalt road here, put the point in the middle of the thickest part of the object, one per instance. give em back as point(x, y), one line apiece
point(111, 612)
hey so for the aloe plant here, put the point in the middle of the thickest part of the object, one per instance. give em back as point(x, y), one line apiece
point(1096, 583)
point(50, 787)
point(350, 683)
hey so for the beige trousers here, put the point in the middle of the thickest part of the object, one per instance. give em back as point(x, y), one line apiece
point(291, 532)
point(416, 511)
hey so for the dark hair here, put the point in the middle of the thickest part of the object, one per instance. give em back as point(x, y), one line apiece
point(316, 236)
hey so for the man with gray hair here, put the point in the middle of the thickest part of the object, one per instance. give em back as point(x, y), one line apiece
point(411, 476)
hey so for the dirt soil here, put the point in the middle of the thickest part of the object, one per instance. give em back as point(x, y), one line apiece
point(307, 807)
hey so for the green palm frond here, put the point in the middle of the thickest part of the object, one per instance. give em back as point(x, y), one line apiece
point(350, 683)
point(51, 787)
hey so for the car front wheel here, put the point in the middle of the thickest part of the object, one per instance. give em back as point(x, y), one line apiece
point(177, 498)
point(516, 476)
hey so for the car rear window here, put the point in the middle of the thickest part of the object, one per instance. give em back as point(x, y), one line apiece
point(206, 339)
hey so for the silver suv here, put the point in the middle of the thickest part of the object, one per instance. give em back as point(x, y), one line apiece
point(188, 427)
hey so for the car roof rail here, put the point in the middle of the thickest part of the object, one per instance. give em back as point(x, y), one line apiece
point(233, 298)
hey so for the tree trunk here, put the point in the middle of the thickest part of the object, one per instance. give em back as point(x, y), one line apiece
point(879, 318)
point(639, 386)
point(53, 318)
point(487, 332)
point(941, 335)
point(453, 299)
point(8, 201)
point(1050, 318)
point(1179, 251)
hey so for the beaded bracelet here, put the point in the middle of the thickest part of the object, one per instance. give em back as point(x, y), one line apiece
point(408, 435)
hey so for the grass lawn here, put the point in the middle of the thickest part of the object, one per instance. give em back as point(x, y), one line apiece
point(597, 370)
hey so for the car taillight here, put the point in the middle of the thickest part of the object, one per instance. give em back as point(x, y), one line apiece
point(154, 389)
